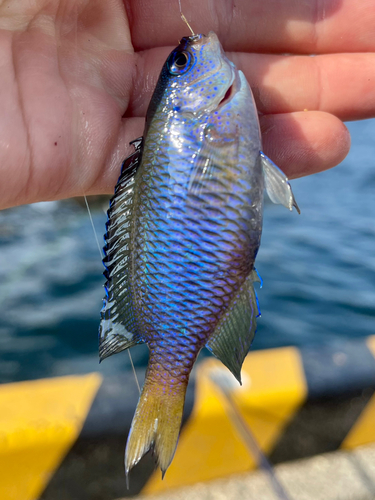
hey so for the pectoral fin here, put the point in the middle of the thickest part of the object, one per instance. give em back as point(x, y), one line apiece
point(277, 184)
point(217, 155)
point(234, 334)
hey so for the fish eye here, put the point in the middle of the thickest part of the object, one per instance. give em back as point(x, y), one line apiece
point(179, 62)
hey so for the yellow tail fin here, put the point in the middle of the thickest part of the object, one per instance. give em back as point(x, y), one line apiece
point(156, 423)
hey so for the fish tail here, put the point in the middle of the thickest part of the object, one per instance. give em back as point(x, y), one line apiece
point(156, 422)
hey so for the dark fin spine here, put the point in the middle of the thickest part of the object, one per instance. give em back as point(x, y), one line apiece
point(156, 423)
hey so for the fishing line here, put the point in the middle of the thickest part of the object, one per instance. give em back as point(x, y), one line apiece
point(135, 373)
point(184, 18)
point(93, 227)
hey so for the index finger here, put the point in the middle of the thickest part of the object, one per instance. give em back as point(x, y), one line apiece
point(277, 26)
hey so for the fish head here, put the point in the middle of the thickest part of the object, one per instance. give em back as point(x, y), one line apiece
point(196, 77)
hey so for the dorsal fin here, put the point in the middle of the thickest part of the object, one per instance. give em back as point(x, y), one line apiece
point(117, 329)
point(235, 332)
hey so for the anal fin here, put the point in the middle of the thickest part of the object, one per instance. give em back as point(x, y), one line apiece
point(277, 185)
point(235, 332)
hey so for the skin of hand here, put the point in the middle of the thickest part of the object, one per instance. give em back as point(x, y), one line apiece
point(76, 77)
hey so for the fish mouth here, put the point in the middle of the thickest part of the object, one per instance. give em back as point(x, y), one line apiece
point(231, 91)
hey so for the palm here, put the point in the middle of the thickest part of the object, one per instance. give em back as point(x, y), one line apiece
point(75, 83)
point(61, 123)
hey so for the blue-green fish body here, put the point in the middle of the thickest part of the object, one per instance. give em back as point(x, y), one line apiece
point(183, 232)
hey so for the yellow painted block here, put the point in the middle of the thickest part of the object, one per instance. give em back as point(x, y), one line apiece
point(39, 421)
point(371, 344)
point(363, 431)
point(210, 445)
point(273, 389)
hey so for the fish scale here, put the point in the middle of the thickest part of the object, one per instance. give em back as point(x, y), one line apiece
point(183, 232)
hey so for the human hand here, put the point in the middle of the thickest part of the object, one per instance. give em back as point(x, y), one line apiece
point(75, 82)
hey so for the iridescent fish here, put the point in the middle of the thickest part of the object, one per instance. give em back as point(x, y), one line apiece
point(183, 231)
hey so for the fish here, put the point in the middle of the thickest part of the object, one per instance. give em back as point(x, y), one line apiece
point(183, 231)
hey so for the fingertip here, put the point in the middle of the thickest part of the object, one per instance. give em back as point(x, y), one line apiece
point(305, 142)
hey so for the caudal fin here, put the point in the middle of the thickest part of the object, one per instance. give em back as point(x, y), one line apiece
point(156, 423)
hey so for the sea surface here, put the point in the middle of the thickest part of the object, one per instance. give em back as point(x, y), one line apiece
point(318, 270)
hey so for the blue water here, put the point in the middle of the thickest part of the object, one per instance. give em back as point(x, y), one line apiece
point(318, 270)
